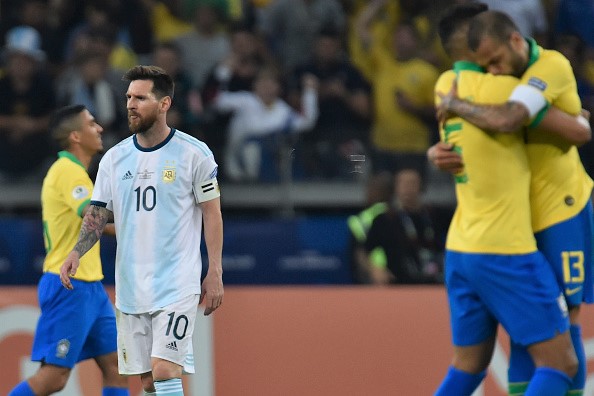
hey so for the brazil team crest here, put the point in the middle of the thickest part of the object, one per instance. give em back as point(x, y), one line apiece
point(168, 175)
point(63, 348)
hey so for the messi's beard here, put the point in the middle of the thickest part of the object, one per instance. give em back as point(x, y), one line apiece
point(144, 123)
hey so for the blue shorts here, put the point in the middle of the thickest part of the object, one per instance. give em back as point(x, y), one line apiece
point(518, 291)
point(568, 248)
point(74, 324)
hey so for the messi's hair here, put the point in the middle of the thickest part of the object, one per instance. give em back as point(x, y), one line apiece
point(162, 82)
point(453, 18)
point(494, 24)
point(64, 121)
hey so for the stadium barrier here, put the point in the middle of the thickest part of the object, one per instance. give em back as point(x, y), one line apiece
point(296, 340)
point(302, 250)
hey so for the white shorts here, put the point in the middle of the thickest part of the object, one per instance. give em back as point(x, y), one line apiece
point(165, 334)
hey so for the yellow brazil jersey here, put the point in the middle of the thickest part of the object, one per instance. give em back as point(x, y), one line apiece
point(66, 191)
point(493, 210)
point(560, 186)
point(394, 128)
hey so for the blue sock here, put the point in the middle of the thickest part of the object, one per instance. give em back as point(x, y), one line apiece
point(579, 381)
point(110, 391)
point(521, 369)
point(170, 387)
point(459, 383)
point(22, 389)
point(547, 381)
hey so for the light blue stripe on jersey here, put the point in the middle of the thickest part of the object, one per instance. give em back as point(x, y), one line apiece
point(125, 178)
point(195, 142)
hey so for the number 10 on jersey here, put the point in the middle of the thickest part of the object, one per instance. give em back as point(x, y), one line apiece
point(146, 198)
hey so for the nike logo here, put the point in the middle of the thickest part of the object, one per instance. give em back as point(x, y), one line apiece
point(571, 292)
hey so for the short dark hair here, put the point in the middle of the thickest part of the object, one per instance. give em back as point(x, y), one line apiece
point(453, 18)
point(64, 121)
point(495, 24)
point(163, 84)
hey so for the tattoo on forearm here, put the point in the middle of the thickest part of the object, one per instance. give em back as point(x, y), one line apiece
point(468, 111)
point(506, 117)
point(92, 228)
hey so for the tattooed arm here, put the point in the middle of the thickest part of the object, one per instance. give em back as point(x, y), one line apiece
point(109, 228)
point(506, 117)
point(90, 232)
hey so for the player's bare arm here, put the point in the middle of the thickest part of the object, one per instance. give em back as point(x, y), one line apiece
point(212, 286)
point(507, 117)
point(109, 228)
point(92, 228)
point(574, 130)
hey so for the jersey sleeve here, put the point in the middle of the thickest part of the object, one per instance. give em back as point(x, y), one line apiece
point(544, 83)
point(443, 85)
point(206, 186)
point(102, 194)
point(76, 189)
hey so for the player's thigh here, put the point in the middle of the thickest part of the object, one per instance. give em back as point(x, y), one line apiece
point(134, 338)
point(65, 321)
point(568, 248)
point(471, 321)
point(522, 293)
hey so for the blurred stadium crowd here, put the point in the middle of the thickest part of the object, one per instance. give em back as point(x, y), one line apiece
point(335, 80)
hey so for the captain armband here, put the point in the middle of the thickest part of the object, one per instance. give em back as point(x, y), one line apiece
point(207, 190)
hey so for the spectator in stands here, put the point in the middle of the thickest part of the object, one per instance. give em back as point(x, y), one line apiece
point(259, 115)
point(575, 17)
point(36, 14)
point(88, 85)
point(407, 235)
point(186, 106)
point(403, 95)
point(529, 15)
point(166, 19)
point(342, 129)
point(379, 194)
point(206, 45)
point(103, 16)
point(237, 72)
point(290, 27)
point(241, 65)
point(26, 100)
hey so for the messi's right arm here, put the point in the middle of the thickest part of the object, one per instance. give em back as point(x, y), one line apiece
point(92, 228)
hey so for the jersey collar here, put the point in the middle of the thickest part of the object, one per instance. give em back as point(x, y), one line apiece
point(158, 146)
point(70, 156)
point(466, 65)
point(533, 51)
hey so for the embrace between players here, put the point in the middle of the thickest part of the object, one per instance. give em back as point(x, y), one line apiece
point(519, 248)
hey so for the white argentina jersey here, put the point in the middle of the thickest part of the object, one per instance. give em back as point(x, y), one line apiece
point(154, 195)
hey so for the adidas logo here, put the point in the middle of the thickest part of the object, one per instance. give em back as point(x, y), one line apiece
point(128, 176)
point(172, 346)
